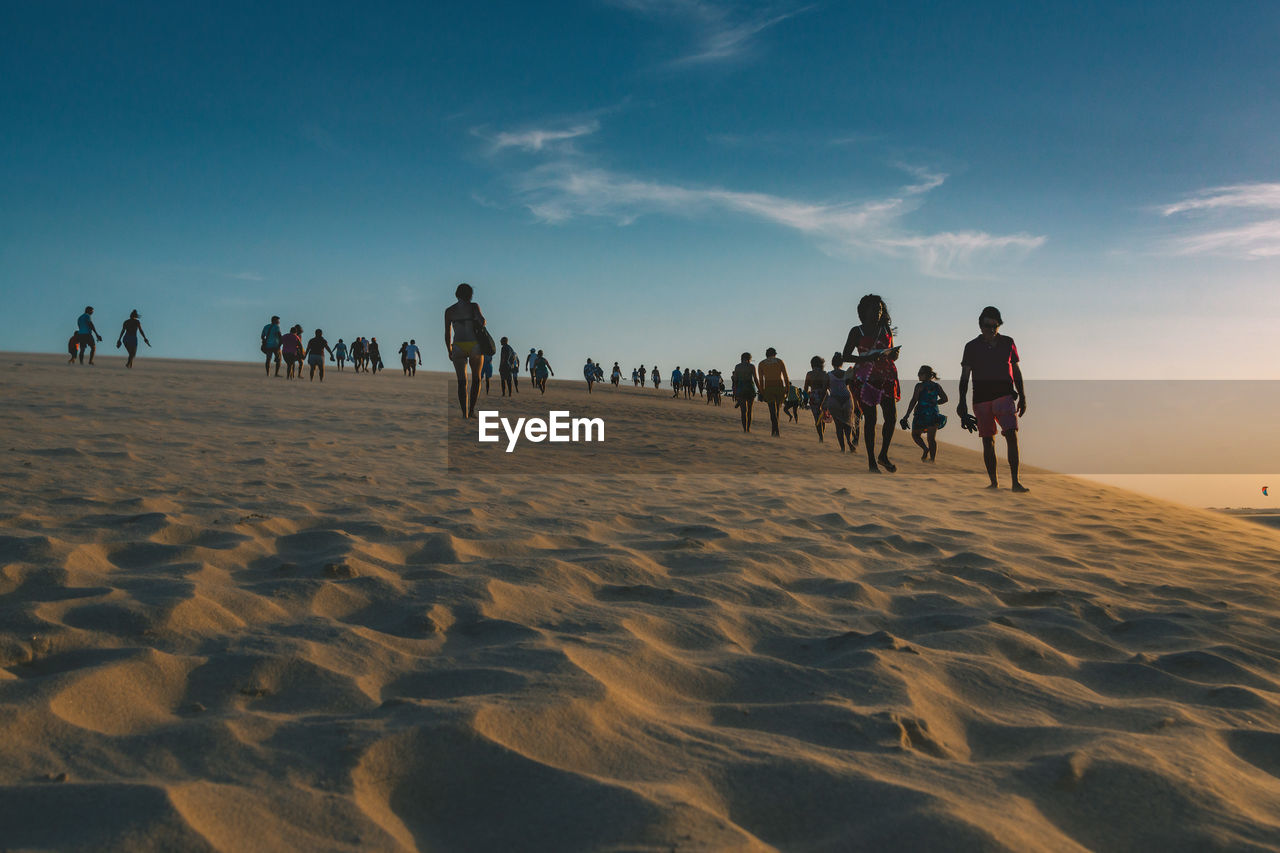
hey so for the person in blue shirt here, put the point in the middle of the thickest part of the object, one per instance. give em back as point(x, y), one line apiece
point(677, 379)
point(412, 356)
point(589, 373)
point(271, 341)
point(340, 352)
point(87, 332)
point(486, 372)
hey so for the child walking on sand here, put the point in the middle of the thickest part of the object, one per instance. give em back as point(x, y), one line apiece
point(927, 420)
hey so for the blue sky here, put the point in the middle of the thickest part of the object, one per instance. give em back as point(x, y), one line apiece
point(665, 181)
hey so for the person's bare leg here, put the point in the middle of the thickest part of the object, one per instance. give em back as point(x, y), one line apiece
point(933, 444)
point(890, 409)
point(916, 437)
point(869, 436)
point(476, 361)
point(773, 418)
point(1011, 442)
point(460, 368)
point(989, 459)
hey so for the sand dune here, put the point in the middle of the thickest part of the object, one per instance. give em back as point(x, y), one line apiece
point(247, 614)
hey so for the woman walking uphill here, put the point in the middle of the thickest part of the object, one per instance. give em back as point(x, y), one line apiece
point(875, 376)
point(129, 336)
point(462, 321)
point(745, 383)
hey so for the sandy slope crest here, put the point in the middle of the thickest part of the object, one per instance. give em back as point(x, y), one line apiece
point(242, 614)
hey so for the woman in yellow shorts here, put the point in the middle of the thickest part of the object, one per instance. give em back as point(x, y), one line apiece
point(461, 320)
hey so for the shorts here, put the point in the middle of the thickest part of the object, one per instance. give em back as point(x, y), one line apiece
point(840, 408)
point(998, 411)
point(775, 394)
point(315, 360)
point(86, 339)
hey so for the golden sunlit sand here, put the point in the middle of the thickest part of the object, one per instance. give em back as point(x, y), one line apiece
point(248, 614)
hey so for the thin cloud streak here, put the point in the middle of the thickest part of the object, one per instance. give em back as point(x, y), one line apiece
point(537, 139)
point(559, 192)
point(1229, 222)
point(1239, 196)
point(1254, 241)
point(721, 34)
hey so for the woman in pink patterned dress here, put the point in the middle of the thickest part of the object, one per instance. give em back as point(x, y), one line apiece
point(875, 376)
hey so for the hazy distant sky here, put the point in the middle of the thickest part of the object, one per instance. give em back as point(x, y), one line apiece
point(666, 181)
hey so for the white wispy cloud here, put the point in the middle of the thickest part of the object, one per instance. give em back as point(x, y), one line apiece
point(1256, 240)
point(539, 138)
point(1238, 196)
point(1226, 221)
point(560, 191)
point(720, 31)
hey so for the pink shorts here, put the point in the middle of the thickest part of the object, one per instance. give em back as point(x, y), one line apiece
point(998, 411)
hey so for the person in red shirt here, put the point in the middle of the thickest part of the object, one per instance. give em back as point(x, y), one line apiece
point(999, 398)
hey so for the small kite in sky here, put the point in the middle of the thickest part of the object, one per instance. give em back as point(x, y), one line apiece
point(1264, 491)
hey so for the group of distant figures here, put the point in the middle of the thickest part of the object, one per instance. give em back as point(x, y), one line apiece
point(364, 354)
point(85, 339)
point(860, 387)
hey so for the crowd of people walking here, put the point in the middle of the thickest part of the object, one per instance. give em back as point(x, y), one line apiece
point(859, 392)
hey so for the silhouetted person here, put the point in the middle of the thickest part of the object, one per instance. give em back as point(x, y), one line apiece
point(461, 320)
point(271, 341)
point(992, 360)
point(129, 336)
point(316, 349)
point(87, 332)
point(874, 381)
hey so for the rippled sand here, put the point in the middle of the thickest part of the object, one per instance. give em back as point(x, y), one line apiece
point(245, 614)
